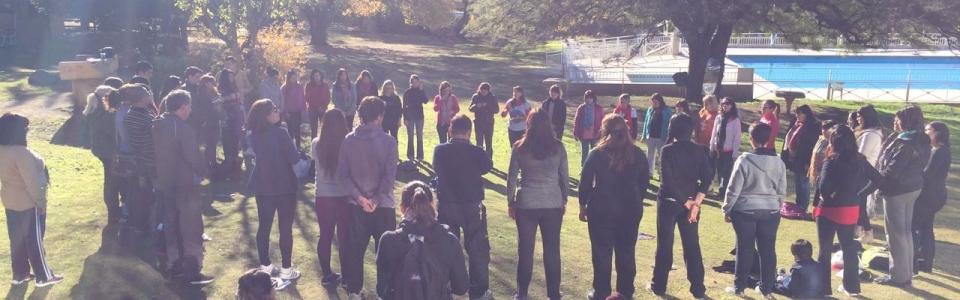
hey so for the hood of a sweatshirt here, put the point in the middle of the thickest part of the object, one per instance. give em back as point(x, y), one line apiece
point(368, 132)
point(765, 162)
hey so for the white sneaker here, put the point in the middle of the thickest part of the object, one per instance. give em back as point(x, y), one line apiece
point(268, 269)
point(355, 296)
point(765, 296)
point(733, 290)
point(289, 274)
point(844, 291)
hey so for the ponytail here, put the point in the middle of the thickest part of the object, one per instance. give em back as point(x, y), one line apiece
point(774, 105)
point(416, 203)
point(111, 101)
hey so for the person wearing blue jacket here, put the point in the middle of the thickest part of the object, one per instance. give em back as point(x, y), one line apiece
point(344, 96)
point(655, 129)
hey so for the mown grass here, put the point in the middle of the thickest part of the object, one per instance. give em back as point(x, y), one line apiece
point(78, 245)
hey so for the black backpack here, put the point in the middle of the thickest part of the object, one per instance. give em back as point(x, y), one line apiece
point(420, 275)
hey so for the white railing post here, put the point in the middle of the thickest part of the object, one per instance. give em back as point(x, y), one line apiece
point(908, 86)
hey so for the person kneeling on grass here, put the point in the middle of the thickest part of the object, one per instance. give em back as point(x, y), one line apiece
point(804, 281)
point(422, 259)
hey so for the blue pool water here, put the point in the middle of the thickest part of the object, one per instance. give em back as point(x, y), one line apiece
point(859, 71)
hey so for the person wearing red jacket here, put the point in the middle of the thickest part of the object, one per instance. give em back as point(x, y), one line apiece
point(586, 123)
point(628, 113)
point(446, 105)
point(317, 94)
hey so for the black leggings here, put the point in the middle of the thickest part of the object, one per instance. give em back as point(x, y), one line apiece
point(864, 219)
point(293, 127)
point(515, 136)
point(286, 207)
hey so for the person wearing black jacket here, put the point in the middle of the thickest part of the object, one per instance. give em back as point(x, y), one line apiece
point(420, 225)
point(685, 179)
point(933, 196)
point(557, 109)
point(460, 167)
point(904, 156)
point(394, 111)
point(797, 150)
point(413, 100)
point(191, 84)
point(613, 184)
point(484, 106)
point(843, 179)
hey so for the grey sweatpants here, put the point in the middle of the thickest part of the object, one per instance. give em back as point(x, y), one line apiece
point(183, 225)
point(898, 217)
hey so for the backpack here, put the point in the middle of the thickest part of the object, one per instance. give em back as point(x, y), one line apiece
point(792, 211)
point(420, 275)
point(877, 258)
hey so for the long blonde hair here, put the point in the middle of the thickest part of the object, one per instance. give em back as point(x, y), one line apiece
point(393, 88)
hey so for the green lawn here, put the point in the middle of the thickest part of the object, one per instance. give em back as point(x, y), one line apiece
point(79, 247)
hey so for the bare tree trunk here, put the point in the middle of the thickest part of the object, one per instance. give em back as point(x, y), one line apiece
point(463, 21)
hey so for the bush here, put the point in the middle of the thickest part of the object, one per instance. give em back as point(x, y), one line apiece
point(280, 47)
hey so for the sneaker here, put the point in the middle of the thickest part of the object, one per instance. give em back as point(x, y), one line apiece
point(649, 288)
point(844, 291)
point(289, 274)
point(331, 280)
point(205, 237)
point(767, 296)
point(279, 284)
point(358, 296)
point(201, 279)
point(672, 267)
point(519, 297)
point(886, 280)
point(50, 281)
point(269, 269)
point(488, 295)
point(866, 238)
point(733, 290)
point(25, 279)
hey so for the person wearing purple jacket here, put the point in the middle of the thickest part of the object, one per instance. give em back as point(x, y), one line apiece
point(274, 184)
point(367, 168)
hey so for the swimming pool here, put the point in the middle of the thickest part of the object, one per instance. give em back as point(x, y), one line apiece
point(886, 72)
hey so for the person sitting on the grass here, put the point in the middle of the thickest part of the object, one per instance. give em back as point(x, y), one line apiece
point(256, 285)
point(422, 259)
point(804, 278)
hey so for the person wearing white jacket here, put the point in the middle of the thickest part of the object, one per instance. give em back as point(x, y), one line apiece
point(869, 143)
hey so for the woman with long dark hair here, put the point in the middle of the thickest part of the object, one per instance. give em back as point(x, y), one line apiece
point(365, 86)
point(538, 199)
point(797, 150)
point(869, 143)
point(842, 180)
point(484, 104)
point(905, 154)
point(25, 181)
point(770, 115)
point(933, 197)
point(587, 124)
point(294, 105)
point(317, 94)
point(655, 129)
point(613, 184)
point(725, 144)
point(232, 132)
point(332, 208)
point(685, 177)
point(274, 184)
point(518, 109)
point(344, 96)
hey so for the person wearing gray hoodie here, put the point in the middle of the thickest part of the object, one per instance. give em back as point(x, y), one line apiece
point(757, 189)
point(367, 168)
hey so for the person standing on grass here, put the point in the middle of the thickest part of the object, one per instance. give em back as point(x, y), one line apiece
point(294, 105)
point(708, 116)
point(655, 129)
point(613, 184)
point(436, 251)
point(842, 181)
point(232, 130)
point(331, 207)
point(208, 109)
point(460, 167)
point(933, 196)
point(758, 187)
point(820, 155)
point(103, 144)
point(685, 179)
point(241, 80)
point(270, 88)
point(797, 150)
point(24, 180)
point(683, 107)
point(180, 170)
point(725, 144)
point(770, 115)
point(557, 109)
point(137, 124)
point(344, 95)
point(317, 94)
point(366, 87)
point(392, 115)
point(905, 154)
point(274, 184)
point(869, 143)
point(367, 167)
point(517, 108)
point(446, 104)
point(484, 105)
point(537, 198)
point(413, 100)
point(629, 114)
point(191, 84)
point(587, 123)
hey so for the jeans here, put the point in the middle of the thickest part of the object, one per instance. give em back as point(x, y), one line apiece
point(472, 219)
point(898, 219)
point(414, 126)
point(333, 215)
point(113, 188)
point(232, 135)
point(606, 238)
point(484, 132)
point(364, 226)
point(670, 215)
point(442, 130)
point(549, 220)
point(756, 229)
point(654, 145)
point(285, 207)
point(924, 241)
point(143, 199)
point(724, 170)
point(26, 229)
point(585, 146)
point(514, 136)
point(802, 185)
point(826, 229)
point(314, 117)
point(183, 225)
point(211, 136)
point(294, 120)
